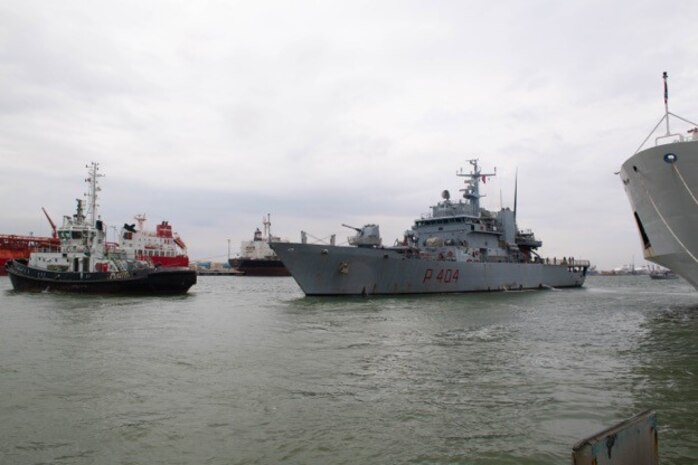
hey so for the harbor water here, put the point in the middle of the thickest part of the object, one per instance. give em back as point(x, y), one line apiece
point(249, 371)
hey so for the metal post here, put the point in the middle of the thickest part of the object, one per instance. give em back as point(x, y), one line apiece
point(665, 76)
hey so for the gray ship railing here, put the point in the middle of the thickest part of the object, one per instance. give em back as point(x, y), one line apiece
point(566, 261)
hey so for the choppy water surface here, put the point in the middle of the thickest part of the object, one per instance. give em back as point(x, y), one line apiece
point(248, 371)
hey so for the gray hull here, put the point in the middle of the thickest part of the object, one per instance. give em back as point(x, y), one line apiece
point(663, 196)
point(334, 270)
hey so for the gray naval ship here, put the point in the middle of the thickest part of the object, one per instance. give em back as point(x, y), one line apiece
point(458, 247)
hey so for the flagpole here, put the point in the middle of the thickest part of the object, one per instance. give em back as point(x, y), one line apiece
point(666, 101)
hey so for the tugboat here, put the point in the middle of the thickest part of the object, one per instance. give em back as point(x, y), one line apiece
point(256, 256)
point(161, 248)
point(85, 264)
point(460, 247)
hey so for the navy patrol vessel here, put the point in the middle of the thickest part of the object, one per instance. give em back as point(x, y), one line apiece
point(661, 183)
point(86, 263)
point(459, 247)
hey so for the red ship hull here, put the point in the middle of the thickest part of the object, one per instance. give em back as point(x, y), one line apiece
point(177, 261)
point(15, 247)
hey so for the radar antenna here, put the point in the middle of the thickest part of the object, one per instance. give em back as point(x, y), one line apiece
point(472, 183)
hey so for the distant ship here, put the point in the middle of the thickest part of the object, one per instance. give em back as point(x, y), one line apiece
point(13, 246)
point(161, 248)
point(256, 256)
point(661, 183)
point(459, 247)
point(85, 264)
point(663, 274)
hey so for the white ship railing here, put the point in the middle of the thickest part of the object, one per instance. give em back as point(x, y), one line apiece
point(668, 134)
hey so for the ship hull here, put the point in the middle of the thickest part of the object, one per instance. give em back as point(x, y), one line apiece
point(333, 270)
point(255, 267)
point(159, 281)
point(13, 247)
point(664, 199)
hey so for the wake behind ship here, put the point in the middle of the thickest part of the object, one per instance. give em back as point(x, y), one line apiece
point(661, 183)
point(460, 247)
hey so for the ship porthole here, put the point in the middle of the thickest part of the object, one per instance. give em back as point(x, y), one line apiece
point(670, 158)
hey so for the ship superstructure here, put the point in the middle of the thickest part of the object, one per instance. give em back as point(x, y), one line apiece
point(458, 247)
point(256, 256)
point(161, 247)
point(661, 183)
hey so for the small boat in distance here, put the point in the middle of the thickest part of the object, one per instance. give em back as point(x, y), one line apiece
point(661, 183)
point(663, 274)
point(85, 263)
point(459, 247)
point(161, 248)
point(256, 256)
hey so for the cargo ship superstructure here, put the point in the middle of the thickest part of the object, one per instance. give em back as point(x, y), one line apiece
point(161, 247)
point(85, 264)
point(256, 256)
point(661, 183)
point(458, 247)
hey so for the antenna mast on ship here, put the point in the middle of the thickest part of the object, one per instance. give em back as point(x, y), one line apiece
point(92, 191)
point(665, 76)
point(140, 219)
point(667, 113)
point(472, 191)
point(267, 227)
point(516, 191)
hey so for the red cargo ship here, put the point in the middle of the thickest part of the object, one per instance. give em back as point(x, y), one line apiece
point(13, 246)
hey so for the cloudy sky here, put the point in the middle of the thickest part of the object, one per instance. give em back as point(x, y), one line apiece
point(211, 114)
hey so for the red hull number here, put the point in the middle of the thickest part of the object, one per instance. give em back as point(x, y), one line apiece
point(445, 275)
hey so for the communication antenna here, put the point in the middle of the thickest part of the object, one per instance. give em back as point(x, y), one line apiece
point(516, 191)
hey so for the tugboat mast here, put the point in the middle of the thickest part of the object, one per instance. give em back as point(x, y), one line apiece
point(93, 188)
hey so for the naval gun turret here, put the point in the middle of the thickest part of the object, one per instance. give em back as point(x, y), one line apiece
point(367, 236)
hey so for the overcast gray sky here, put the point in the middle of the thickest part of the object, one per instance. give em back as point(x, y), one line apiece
point(211, 114)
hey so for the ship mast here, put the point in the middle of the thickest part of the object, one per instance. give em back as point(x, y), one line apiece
point(516, 192)
point(93, 188)
point(472, 190)
point(665, 76)
point(267, 227)
point(140, 219)
point(667, 113)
